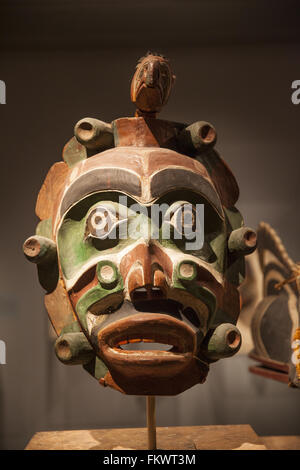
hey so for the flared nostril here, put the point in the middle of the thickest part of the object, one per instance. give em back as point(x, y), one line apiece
point(155, 292)
point(148, 292)
point(139, 294)
point(141, 290)
point(155, 289)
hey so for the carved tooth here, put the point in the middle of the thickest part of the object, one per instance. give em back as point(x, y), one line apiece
point(145, 340)
point(122, 342)
point(134, 340)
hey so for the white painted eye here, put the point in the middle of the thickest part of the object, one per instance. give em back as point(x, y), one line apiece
point(101, 223)
point(183, 220)
point(99, 220)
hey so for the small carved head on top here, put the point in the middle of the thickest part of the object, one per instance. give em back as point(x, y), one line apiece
point(151, 84)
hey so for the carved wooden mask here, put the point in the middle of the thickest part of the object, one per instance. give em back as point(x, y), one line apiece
point(141, 249)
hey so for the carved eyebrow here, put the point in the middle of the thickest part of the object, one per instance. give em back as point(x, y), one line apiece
point(101, 179)
point(171, 179)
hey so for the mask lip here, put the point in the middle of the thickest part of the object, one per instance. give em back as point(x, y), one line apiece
point(160, 327)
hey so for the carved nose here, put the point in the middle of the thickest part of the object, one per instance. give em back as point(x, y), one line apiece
point(143, 276)
point(154, 289)
point(138, 279)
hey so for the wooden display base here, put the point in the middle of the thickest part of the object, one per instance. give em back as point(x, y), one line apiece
point(172, 438)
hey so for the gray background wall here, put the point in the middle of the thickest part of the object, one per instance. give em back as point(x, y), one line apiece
point(61, 61)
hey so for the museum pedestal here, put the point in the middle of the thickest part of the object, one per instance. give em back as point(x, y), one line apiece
point(168, 438)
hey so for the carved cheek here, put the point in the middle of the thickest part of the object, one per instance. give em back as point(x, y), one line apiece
point(85, 283)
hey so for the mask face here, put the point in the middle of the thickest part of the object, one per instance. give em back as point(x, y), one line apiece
point(141, 251)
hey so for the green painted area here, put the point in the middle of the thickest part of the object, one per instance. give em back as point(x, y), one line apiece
point(218, 346)
point(73, 327)
point(95, 294)
point(76, 247)
point(74, 152)
point(212, 252)
point(235, 269)
point(234, 218)
point(96, 368)
point(79, 245)
point(108, 282)
point(74, 251)
point(198, 291)
point(218, 246)
point(44, 228)
point(189, 277)
point(214, 246)
point(100, 369)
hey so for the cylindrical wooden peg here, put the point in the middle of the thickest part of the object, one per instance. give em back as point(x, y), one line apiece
point(94, 134)
point(74, 348)
point(39, 249)
point(151, 422)
point(242, 241)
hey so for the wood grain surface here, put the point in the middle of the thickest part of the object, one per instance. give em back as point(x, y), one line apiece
point(172, 438)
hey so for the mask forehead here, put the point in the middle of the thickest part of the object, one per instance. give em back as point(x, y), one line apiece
point(146, 174)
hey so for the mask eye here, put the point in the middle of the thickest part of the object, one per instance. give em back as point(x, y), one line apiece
point(101, 223)
point(183, 221)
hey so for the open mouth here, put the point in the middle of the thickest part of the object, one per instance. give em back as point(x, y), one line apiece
point(146, 344)
point(149, 327)
point(129, 337)
point(145, 371)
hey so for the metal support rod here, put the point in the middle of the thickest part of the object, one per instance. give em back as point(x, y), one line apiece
point(151, 422)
